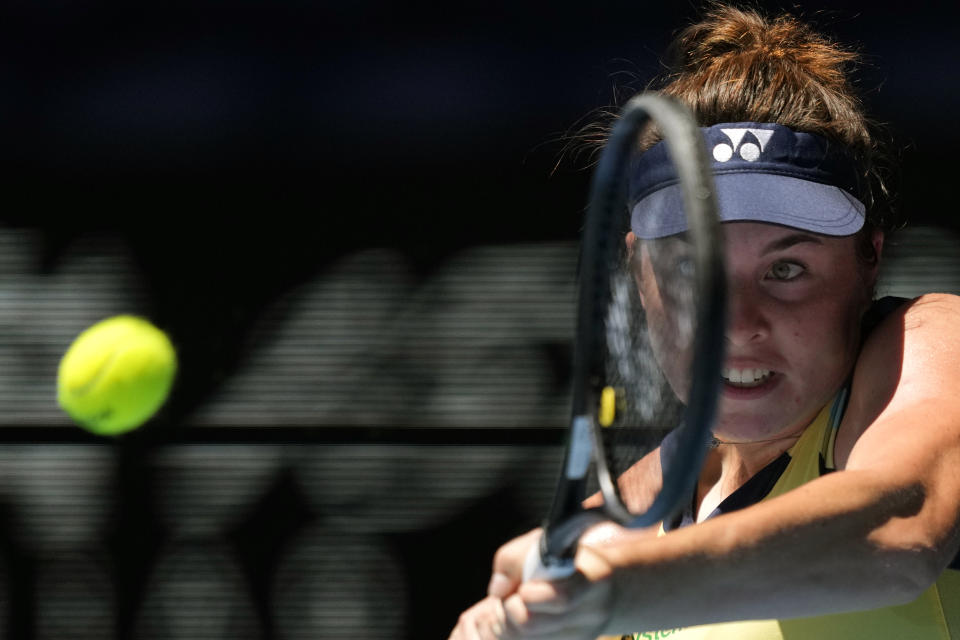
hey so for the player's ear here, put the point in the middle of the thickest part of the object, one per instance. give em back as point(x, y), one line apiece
point(871, 249)
point(630, 240)
point(877, 241)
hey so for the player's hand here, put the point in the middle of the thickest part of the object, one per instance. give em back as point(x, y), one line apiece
point(487, 619)
point(508, 564)
point(577, 607)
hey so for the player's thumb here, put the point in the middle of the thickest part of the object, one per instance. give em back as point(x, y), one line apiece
point(508, 564)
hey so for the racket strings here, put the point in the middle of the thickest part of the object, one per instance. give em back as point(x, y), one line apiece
point(646, 356)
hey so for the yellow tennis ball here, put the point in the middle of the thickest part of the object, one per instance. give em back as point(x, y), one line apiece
point(116, 375)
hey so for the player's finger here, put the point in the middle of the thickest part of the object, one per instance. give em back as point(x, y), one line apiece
point(515, 612)
point(524, 622)
point(540, 596)
point(508, 564)
point(463, 631)
point(545, 620)
point(485, 620)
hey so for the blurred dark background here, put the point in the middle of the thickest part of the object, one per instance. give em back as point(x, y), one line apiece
point(358, 223)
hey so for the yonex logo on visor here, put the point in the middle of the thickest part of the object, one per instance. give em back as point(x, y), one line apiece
point(763, 172)
point(748, 150)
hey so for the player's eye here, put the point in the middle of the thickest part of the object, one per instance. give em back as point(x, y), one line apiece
point(685, 266)
point(785, 271)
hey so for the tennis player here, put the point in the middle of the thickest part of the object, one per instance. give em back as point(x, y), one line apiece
point(829, 506)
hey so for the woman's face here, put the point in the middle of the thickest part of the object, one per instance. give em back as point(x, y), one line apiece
point(795, 300)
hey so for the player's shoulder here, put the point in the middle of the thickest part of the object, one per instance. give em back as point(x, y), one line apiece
point(929, 315)
point(933, 307)
point(908, 359)
point(918, 338)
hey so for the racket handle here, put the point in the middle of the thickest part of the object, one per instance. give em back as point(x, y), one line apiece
point(535, 569)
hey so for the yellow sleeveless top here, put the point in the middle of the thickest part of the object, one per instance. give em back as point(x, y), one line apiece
point(934, 615)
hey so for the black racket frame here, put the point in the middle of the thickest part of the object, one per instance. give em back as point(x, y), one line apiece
point(567, 518)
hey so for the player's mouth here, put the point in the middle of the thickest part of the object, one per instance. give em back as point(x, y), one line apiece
point(746, 378)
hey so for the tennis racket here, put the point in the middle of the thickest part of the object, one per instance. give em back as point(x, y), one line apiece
point(649, 344)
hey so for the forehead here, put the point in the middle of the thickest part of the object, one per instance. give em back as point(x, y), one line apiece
point(758, 241)
point(760, 238)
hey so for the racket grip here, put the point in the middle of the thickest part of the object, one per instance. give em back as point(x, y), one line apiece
point(535, 569)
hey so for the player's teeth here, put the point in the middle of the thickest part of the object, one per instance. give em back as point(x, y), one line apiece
point(746, 376)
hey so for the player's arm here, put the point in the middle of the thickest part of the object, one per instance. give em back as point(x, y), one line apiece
point(877, 533)
point(874, 534)
point(904, 422)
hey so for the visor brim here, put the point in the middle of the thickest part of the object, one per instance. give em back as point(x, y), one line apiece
point(756, 197)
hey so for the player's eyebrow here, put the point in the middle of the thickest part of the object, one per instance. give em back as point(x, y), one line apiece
point(788, 241)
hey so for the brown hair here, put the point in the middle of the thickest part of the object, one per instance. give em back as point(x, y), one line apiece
point(736, 65)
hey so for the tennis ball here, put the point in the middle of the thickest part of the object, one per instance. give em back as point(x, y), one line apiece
point(116, 375)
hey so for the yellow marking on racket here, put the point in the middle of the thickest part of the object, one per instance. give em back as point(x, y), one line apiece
point(608, 406)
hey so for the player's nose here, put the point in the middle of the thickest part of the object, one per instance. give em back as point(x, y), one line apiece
point(746, 322)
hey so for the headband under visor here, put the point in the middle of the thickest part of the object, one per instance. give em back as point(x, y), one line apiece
point(763, 172)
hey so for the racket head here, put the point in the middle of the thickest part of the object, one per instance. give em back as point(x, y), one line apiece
point(649, 344)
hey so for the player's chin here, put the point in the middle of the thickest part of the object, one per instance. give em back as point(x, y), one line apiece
point(737, 425)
